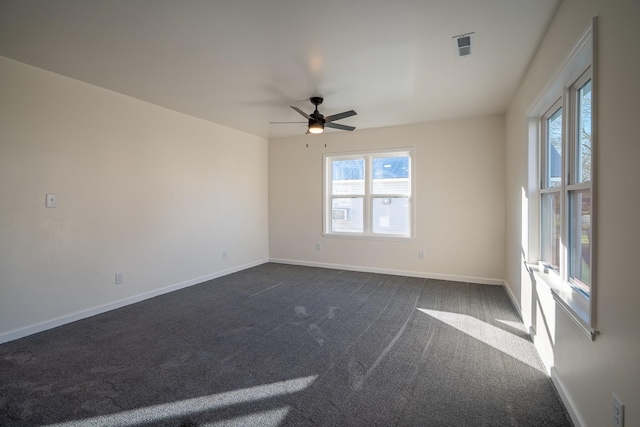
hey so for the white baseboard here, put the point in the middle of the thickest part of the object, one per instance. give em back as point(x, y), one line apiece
point(408, 273)
point(513, 298)
point(516, 305)
point(89, 312)
point(567, 400)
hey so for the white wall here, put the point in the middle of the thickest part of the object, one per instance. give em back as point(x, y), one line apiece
point(588, 371)
point(142, 189)
point(459, 196)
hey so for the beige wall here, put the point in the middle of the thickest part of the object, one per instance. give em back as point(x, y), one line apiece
point(459, 196)
point(589, 372)
point(142, 189)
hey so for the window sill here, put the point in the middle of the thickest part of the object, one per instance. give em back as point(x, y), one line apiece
point(574, 303)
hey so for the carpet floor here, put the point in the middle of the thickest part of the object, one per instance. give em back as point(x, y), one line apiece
point(283, 345)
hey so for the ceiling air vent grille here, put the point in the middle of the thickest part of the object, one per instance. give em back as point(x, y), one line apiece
point(463, 45)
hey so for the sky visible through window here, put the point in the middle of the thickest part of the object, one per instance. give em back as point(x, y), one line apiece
point(348, 169)
point(383, 167)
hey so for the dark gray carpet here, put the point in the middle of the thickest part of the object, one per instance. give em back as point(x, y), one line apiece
point(287, 345)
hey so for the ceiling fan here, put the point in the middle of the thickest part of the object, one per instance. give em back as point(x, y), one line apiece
point(317, 122)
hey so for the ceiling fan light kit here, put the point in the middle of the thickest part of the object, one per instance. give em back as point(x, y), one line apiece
point(316, 126)
point(317, 122)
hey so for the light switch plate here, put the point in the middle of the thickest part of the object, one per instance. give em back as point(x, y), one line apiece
point(52, 200)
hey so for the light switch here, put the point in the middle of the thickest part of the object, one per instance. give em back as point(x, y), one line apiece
point(52, 200)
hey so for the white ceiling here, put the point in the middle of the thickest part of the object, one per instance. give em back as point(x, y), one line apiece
point(242, 63)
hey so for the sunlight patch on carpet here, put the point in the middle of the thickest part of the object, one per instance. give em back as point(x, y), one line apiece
point(271, 418)
point(155, 413)
point(497, 338)
point(517, 325)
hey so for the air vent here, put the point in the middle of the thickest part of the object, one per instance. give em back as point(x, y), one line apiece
point(464, 45)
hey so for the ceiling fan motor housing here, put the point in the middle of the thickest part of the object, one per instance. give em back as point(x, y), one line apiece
point(316, 116)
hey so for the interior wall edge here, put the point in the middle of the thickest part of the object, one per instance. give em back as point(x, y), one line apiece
point(93, 311)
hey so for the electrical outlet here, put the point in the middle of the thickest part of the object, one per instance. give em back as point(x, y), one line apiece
point(318, 246)
point(225, 254)
point(119, 278)
point(618, 412)
point(421, 254)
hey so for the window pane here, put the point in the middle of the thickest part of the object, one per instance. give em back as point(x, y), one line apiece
point(554, 150)
point(583, 149)
point(391, 175)
point(347, 177)
point(390, 215)
point(347, 214)
point(580, 239)
point(550, 223)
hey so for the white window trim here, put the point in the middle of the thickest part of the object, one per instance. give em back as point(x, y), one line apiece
point(579, 307)
point(367, 234)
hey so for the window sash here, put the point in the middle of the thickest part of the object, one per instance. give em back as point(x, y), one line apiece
point(551, 226)
point(552, 149)
point(581, 137)
point(579, 247)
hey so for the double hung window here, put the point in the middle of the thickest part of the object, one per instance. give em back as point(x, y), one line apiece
point(369, 194)
point(562, 124)
point(566, 186)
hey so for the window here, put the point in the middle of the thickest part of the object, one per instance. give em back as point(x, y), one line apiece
point(369, 194)
point(570, 198)
point(562, 122)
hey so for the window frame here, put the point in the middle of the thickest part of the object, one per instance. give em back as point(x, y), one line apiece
point(577, 69)
point(368, 196)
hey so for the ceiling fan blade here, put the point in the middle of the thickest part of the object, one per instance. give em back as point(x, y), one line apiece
point(338, 126)
point(340, 116)
point(280, 123)
point(301, 112)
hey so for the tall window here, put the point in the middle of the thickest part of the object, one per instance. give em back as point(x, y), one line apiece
point(566, 186)
point(562, 126)
point(369, 194)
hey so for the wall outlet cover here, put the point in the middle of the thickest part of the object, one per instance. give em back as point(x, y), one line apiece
point(618, 412)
